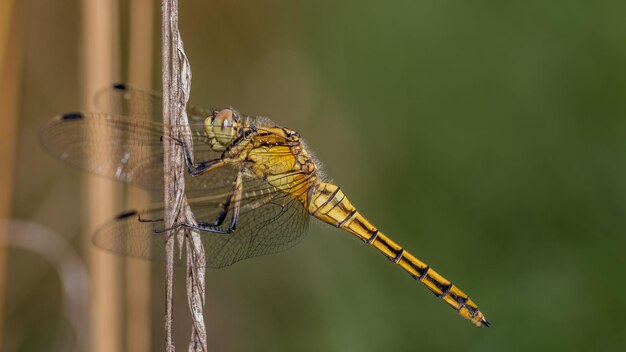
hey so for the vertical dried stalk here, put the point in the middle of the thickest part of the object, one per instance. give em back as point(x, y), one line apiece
point(11, 40)
point(103, 198)
point(138, 293)
point(176, 87)
point(169, 198)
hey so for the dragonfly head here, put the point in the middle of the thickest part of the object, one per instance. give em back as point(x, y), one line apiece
point(222, 127)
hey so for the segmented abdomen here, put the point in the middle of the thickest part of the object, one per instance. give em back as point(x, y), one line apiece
point(329, 204)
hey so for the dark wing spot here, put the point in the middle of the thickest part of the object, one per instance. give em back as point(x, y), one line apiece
point(73, 116)
point(126, 214)
point(120, 86)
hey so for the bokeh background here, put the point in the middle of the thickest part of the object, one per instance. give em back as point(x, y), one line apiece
point(488, 138)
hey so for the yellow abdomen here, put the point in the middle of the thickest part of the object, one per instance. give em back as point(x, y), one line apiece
point(329, 204)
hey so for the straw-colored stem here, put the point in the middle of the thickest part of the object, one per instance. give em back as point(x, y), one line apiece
point(138, 292)
point(11, 40)
point(100, 22)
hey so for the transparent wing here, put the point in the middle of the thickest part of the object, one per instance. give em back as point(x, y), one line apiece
point(271, 220)
point(126, 100)
point(124, 141)
point(124, 148)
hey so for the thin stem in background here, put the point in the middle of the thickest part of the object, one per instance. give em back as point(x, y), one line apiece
point(138, 276)
point(11, 53)
point(100, 62)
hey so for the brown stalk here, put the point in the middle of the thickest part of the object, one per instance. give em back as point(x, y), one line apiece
point(11, 53)
point(100, 67)
point(138, 292)
point(176, 76)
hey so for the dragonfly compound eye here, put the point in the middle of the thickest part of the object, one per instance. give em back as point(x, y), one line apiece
point(222, 128)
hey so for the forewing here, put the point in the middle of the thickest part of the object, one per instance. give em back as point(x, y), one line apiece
point(123, 148)
point(126, 100)
point(124, 141)
point(109, 145)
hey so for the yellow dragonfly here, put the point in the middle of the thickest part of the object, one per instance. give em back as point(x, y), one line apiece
point(252, 191)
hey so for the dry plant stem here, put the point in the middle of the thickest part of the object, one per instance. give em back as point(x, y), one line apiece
point(168, 200)
point(99, 66)
point(196, 262)
point(195, 287)
point(11, 54)
point(138, 276)
point(176, 89)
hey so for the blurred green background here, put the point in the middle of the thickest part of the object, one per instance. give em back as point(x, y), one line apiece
point(487, 137)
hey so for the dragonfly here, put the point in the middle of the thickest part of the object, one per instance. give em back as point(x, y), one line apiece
point(252, 185)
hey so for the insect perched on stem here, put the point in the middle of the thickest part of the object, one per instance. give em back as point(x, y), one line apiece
point(253, 186)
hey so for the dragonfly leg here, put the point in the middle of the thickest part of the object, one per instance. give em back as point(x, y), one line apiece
point(233, 198)
point(200, 168)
